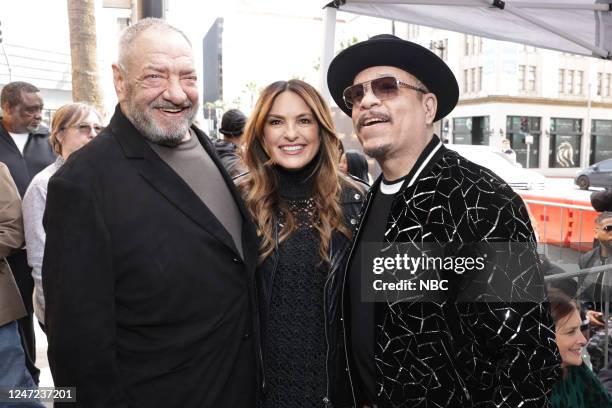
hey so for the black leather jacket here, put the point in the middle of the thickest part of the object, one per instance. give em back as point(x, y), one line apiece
point(338, 384)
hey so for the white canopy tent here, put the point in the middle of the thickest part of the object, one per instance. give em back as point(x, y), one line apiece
point(581, 27)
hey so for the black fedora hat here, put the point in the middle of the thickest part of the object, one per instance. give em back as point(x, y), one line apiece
point(389, 50)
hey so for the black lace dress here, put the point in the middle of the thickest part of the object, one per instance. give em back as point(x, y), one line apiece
point(296, 345)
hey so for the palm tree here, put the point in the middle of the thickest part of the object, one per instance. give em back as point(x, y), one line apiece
point(83, 51)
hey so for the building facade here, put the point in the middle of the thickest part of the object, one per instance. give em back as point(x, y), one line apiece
point(554, 108)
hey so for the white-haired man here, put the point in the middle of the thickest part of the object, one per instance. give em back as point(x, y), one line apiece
point(150, 254)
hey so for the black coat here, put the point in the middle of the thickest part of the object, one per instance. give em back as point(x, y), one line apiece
point(148, 303)
point(338, 385)
point(462, 354)
point(37, 154)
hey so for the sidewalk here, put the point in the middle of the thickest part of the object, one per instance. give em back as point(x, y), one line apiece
point(41, 360)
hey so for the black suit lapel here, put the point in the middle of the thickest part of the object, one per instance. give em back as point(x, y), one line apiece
point(161, 177)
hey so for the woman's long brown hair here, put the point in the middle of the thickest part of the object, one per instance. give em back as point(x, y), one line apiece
point(260, 185)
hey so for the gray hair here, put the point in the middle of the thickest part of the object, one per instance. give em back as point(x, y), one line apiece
point(131, 33)
point(11, 93)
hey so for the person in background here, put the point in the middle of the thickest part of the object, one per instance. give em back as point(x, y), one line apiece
point(13, 370)
point(73, 126)
point(507, 150)
point(354, 163)
point(305, 210)
point(579, 387)
point(602, 200)
point(229, 149)
point(25, 149)
point(591, 285)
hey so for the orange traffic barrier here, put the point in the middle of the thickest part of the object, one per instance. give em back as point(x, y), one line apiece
point(561, 222)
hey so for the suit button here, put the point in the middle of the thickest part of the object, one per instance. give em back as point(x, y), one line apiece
point(357, 196)
point(353, 221)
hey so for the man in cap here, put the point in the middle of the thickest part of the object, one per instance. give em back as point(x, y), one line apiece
point(228, 148)
point(433, 351)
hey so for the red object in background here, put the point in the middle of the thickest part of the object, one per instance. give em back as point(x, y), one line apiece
point(569, 227)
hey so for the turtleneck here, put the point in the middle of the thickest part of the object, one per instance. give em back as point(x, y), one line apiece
point(297, 184)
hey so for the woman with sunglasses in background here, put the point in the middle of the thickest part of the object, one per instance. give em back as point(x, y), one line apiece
point(73, 126)
point(579, 387)
point(304, 210)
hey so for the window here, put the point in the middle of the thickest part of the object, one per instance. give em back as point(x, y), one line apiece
point(599, 83)
point(579, 80)
point(531, 84)
point(465, 81)
point(606, 165)
point(569, 81)
point(521, 77)
point(479, 79)
point(473, 79)
point(440, 48)
point(445, 49)
point(608, 86)
point(561, 81)
point(472, 45)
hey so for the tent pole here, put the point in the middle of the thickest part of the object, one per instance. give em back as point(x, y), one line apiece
point(598, 51)
point(467, 3)
point(327, 49)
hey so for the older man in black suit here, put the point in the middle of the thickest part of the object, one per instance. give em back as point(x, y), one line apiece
point(150, 256)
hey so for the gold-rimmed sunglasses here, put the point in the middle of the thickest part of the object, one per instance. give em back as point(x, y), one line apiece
point(386, 87)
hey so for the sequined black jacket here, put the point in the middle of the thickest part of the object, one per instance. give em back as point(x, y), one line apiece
point(450, 354)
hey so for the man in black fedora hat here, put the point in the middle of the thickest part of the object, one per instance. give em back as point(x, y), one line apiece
point(228, 149)
point(449, 347)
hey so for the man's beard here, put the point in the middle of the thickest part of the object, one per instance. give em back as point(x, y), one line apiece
point(33, 128)
point(143, 120)
point(378, 152)
point(607, 244)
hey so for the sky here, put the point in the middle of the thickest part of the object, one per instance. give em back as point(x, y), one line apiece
point(263, 40)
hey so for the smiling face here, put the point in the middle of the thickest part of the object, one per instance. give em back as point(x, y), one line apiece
point(291, 132)
point(570, 339)
point(157, 90)
point(72, 138)
point(392, 127)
